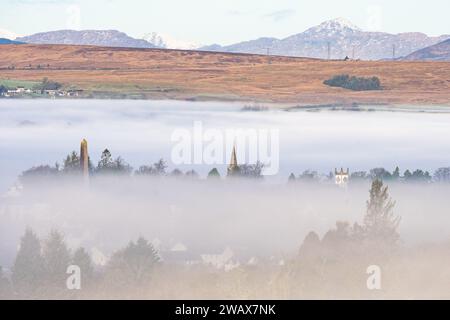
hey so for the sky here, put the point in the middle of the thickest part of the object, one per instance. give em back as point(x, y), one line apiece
point(224, 22)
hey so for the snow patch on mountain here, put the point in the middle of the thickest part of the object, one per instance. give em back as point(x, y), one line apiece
point(167, 42)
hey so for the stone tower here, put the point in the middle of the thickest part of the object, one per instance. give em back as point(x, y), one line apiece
point(84, 158)
point(233, 167)
point(341, 177)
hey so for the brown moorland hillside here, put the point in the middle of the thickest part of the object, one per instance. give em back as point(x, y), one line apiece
point(178, 74)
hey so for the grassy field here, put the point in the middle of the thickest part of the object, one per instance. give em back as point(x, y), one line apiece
point(9, 83)
point(195, 75)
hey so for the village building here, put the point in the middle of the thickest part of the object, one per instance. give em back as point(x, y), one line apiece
point(341, 177)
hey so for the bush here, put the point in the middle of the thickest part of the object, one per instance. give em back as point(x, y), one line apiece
point(354, 83)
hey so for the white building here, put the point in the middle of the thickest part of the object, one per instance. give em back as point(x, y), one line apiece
point(341, 177)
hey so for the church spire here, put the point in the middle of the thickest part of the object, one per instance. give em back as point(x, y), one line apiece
point(233, 167)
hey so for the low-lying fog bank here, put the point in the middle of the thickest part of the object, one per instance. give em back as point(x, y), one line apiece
point(232, 226)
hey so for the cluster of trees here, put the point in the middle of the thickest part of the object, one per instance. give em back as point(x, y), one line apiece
point(378, 233)
point(40, 267)
point(47, 84)
point(253, 171)
point(418, 175)
point(3, 89)
point(118, 166)
point(354, 83)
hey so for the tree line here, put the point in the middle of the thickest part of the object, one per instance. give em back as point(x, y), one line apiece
point(108, 165)
point(40, 267)
point(418, 175)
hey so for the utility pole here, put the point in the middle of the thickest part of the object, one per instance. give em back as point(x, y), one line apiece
point(329, 50)
point(268, 56)
point(353, 53)
point(393, 51)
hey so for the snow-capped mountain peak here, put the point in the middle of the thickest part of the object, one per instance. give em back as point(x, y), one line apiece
point(168, 42)
point(338, 24)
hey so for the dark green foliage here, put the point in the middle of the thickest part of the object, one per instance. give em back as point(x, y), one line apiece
point(354, 83)
point(29, 267)
point(417, 176)
point(107, 165)
point(214, 174)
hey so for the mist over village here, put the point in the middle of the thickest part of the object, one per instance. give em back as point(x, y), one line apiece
point(291, 155)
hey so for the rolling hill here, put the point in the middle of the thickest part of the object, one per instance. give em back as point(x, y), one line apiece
point(198, 75)
point(7, 41)
point(437, 52)
point(107, 38)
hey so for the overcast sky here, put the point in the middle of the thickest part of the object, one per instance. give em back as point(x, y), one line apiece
point(220, 21)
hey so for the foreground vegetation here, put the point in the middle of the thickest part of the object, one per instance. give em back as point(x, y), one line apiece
point(354, 83)
point(137, 270)
point(332, 265)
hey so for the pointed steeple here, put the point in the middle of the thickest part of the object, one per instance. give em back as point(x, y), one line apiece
point(233, 167)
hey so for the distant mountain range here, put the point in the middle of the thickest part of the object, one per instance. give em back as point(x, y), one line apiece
point(437, 52)
point(7, 41)
point(335, 39)
point(342, 38)
point(107, 38)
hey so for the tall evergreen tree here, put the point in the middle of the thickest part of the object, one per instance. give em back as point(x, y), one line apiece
point(28, 269)
point(396, 173)
point(72, 163)
point(135, 263)
point(83, 260)
point(56, 259)
point(380, 222)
